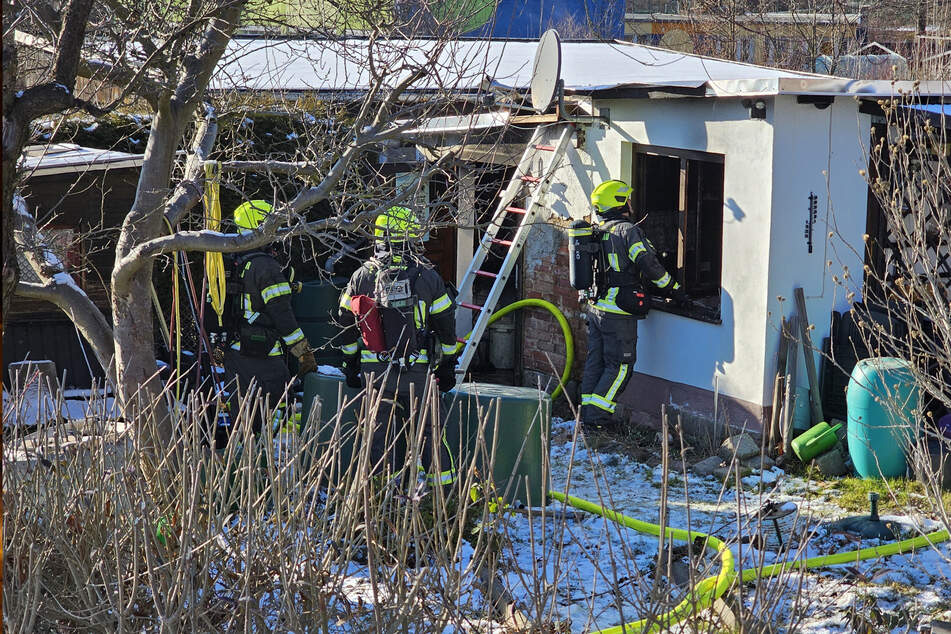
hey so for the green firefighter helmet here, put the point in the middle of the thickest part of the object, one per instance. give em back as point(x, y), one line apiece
point(610, 194)
point(248, 215)
point(397, 224)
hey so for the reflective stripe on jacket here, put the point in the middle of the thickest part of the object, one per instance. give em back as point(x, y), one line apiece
point(434, 311)
point(627, 251)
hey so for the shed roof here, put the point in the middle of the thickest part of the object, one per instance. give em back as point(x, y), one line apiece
point(64, 158)
point(263, 64)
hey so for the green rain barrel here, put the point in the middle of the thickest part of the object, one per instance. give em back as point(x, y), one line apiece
point(315, 308)
point(517, 424)
point(882, 396)
point(324, 397)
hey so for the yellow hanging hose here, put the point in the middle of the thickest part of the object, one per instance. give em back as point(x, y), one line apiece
point(214, 262)
point(565, 330)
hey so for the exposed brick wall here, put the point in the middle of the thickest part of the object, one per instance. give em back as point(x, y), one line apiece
point(546, 277)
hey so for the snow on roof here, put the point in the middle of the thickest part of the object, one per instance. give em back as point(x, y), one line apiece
point(586, 67)
point(62, 158)
point(300, 65)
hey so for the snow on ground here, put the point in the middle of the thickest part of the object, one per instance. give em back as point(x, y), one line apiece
point(599, 574)
point(37, 406)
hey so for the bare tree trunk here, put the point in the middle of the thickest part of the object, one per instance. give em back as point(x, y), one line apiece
point(137, 379)
point(132, 326)
point(11, 152)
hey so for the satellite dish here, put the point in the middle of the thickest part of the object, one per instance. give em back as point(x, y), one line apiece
point(547, 70)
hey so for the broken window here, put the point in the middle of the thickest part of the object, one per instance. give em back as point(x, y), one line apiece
point(679, 193)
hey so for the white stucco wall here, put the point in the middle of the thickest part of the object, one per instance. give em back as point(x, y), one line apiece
point(817, 151)
point(672, 347)
point(770, 167)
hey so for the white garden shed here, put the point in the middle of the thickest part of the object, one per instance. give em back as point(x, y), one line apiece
point(751, 179)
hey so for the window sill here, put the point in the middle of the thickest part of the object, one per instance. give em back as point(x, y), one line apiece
point(691, 311)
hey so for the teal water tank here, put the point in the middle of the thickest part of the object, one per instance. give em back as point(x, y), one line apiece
point(882, 398)
point(513, 437)
point(315, 308)
point(331, 410)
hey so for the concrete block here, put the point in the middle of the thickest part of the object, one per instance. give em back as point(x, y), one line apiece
point(831, 463)
point(32, 375)
point(741, 445)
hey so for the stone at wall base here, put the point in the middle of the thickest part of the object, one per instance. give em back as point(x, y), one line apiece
point(831, 464)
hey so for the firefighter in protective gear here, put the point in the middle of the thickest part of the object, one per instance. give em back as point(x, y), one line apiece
point(400, 362)
point(265, 326)
point(627, 266)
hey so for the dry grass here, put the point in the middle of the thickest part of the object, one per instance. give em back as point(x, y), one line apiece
point(276, 533)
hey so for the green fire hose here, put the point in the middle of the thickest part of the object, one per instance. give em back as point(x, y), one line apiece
point(712, 588)
point(565, 330)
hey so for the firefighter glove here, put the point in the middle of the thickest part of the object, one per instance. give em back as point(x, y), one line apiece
point(305, 358)
point(446, 373)
point(678, 295)
point(351, 370)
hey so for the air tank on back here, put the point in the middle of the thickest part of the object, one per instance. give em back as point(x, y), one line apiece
point(580, 255)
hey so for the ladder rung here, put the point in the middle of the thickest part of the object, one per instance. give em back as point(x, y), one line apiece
point(546, 148)
point(507, 243)
point(516, 210)
point(486, 273)
point(470, 306)
point(530, 179)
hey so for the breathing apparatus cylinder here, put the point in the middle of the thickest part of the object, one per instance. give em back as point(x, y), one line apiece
point(582, 247)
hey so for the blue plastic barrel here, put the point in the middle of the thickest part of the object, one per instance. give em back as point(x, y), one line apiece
point(882, 398)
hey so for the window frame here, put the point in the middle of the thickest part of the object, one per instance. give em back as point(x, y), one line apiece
point(695, 309)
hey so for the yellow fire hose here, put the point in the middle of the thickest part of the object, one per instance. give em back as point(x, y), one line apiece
point(712, 588)
point(565, 330)
point(214, 261)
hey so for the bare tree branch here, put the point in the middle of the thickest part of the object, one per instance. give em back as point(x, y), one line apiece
point(189, 192)
point(268, 231)
point(59, 288)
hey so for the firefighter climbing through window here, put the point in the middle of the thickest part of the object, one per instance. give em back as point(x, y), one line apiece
point(397, 317)
point(613, 264)
point(260, 325)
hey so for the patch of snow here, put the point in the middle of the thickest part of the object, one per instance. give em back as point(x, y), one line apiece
point(291, 136)
point(91, 128)
point(329, 370)
point(769, 476)
point(19, 94)
point(598, 574)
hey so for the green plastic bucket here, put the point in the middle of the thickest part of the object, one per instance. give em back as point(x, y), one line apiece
point(882, 396)
point(514, 440)
point(315, 308)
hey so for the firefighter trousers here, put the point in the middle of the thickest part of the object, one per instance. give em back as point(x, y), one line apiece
point(612, 350)
point(270, 376)
point(395, 424)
